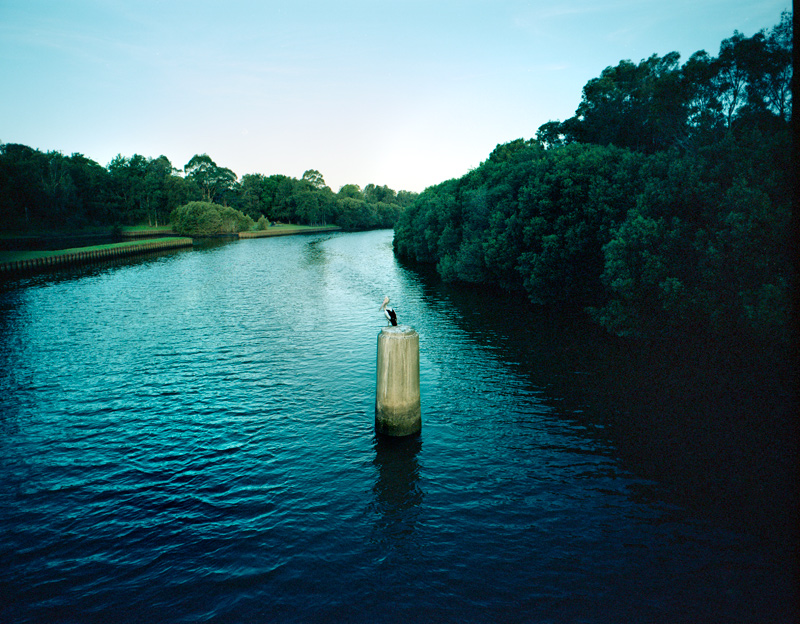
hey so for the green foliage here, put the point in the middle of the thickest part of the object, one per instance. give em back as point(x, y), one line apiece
point(234, 221)
point(146, 190)
point(212, 179)
point(662, 208)
point(355, 214)
point(351, 191)
point(657, 104)
point(51, 190)
point(308, 201)
point(314, 179)
point(208, 219)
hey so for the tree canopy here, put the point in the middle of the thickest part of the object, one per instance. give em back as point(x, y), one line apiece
point(662, 206)
point(657, 103)
point(52, 191)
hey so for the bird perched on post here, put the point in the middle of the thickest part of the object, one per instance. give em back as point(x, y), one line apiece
point(389, 312)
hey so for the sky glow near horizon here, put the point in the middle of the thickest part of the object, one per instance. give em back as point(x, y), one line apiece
point(406, 94)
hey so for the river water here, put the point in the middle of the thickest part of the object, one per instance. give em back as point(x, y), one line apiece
point(189, 438)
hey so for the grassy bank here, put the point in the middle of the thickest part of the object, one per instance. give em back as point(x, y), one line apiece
point(15, 256)
point(285, 230)
point(145, 230)
point(127, 230)
point(22, 261)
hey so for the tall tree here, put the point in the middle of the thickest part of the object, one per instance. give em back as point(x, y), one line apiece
point(155, 199)
point(253, 195)
point(374, 194)
point(128, 183)
point(59, 188)
point(352, 191)
point(704, 110)
point(22, 198)
point(732, 70)
point(770, 70)
point(638, 106)
point(211, 179)
point(314, 179)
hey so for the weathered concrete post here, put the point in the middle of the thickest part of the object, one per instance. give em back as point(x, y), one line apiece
point(397, 406)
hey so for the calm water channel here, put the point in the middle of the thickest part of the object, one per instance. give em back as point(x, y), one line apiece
point(189, 438)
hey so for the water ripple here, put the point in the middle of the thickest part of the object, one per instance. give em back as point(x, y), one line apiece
point(176, 447)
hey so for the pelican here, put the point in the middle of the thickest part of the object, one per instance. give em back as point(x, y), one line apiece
point(389, 312)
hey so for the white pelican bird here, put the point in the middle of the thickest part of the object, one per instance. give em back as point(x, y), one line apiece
point(389, 312)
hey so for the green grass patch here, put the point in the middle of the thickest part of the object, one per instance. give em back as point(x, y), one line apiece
point(14, 256)
point(286, 228)
point(283, 230)
point(155, 229)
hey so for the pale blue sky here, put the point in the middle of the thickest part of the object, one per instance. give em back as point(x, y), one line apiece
point(405, 93)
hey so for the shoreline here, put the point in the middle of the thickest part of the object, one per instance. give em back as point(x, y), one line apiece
point(17, 262)
point(287, 230)
point(126, 232)
point(13, 263)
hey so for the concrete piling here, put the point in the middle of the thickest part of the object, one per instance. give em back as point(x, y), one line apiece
point(397, 405)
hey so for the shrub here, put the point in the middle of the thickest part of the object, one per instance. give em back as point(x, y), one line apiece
point(208, 219)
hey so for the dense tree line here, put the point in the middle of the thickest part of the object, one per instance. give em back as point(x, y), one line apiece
point(49, 190)
point(663, 205)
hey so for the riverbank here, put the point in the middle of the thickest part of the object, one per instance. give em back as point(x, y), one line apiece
point(287, 230)
point(146, 231)
point(22, 254)
point(15, 262)
point(52, 240)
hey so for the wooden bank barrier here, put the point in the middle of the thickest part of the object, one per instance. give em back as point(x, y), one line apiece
point(71, 257)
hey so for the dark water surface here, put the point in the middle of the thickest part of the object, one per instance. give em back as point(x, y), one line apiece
point(189, 438)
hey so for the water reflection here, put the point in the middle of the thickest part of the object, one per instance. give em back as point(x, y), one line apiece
point(314, 251)
point(74, 272)
point(713, 427)
point(398, 495)
point(513, 511)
